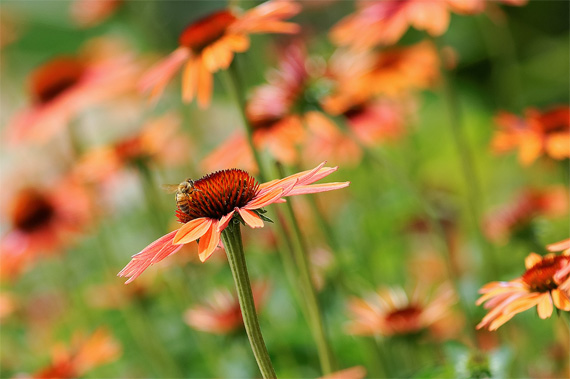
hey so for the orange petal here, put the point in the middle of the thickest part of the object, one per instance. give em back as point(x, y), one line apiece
point(250, 218)
point(204, 86)
point(531, 260)
point(153, 253)
point(316, 188)
point(265, 199)
point(157, 77)
point(192, 230)
point(209, 242)
point(238, 42)
point(559, 246)
point(544, 306)
point(561, 300)
point(190, 80)
point(224, 221)
point(558, 145)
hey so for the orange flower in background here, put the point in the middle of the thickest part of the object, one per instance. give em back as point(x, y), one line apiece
point(209, 44)
point(327, 140)
point(545, 284)
point(234, 152)
point(391, 312)
point(275, 113)
point(89, 13)
point(84, 354)
point(358, 76)
point(535, 135)
point(222, 313)
point(518, 214)
point(215, 200)
point(159, 141)
point(379, 121)
point(43, 220)
point(385, 22)
point(65, 86)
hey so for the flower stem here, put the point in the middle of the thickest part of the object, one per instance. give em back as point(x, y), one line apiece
point(315, 318)
point(231, 237)
point(470, 176)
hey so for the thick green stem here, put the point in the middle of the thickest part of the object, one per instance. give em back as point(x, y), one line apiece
point(315, 318)
point(231, 237)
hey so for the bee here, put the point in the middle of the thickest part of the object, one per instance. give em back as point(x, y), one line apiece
point(183, 193)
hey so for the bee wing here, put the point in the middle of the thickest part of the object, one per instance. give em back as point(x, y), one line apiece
point(169, 188)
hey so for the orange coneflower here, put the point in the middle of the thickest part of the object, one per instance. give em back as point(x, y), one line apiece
point(537, 134)
point(85, 354)
point(42, 221)
point(64, 86)
point(391, 312)
point(222, 313)
point(545, 283)
point(357, 76)
point(519, 213)
point(209, 44)
point(326, 140)
point(216, 199)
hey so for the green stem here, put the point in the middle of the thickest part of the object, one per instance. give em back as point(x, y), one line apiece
point(315, 318)
point(470, 176)
point(231, 237)
point(505, 70)
point(237, 89)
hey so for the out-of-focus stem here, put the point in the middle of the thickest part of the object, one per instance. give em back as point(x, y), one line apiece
point(468, 171)
point(501, 48)
point(315, 317)
point(231, 237)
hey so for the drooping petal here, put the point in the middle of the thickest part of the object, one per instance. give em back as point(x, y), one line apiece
point(560, 300)
point(544, 306)
point(224, 221)
point(250, 218)
point(153, 253)
point(192, 230)
point(209, 241)
point(157, 78)
point(190, 80)
point(205, 83)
